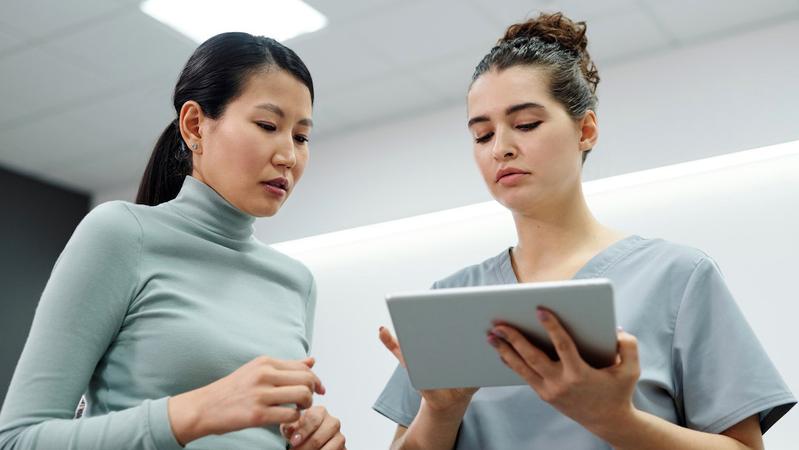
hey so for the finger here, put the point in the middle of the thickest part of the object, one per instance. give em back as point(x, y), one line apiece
point(277, 414)
point(391, 344)
point(287, 429)
point(529, 353)
point(628, 351)
point(327, 430)
point(278, 377)
point(281, 395)
point(512, 359)
point(561, 340)
point(285, 364)
point(337, 443)
point(307, 425)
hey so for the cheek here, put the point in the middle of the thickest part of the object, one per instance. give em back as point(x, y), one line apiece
point(299, 167)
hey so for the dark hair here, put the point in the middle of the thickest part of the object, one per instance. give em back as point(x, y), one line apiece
point(558, 45)
point(214, 75)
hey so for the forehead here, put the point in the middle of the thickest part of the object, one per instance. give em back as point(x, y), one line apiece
point(278, 87)
point(495, 89)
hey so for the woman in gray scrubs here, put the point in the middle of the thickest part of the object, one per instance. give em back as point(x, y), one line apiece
point(690, 372)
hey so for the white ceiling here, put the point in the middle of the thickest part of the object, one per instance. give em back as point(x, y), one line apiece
point(86, 85)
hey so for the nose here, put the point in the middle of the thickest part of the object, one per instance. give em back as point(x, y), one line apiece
point(285, 154)
point(504, 146)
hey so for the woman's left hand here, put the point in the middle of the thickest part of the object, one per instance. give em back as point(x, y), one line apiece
point(316, 430)
point(595, 398)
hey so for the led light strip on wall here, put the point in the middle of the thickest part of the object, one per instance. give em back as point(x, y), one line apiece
point(481, 210)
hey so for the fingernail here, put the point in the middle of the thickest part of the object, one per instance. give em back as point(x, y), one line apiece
point(499, 334)
point(619, 328)
point(296, 439)
point(543, 315)
point(492, 340)
point(381, 328)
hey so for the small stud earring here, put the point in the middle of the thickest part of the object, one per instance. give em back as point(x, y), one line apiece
point(194, 146)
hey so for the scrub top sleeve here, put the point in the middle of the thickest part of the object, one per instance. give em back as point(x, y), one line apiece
point(399, 401)
point(722, 373)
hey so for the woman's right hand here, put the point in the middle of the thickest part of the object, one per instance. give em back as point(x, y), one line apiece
point(436, 399)
point(254, 395)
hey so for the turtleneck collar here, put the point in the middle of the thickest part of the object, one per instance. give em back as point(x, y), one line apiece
point(205, 207)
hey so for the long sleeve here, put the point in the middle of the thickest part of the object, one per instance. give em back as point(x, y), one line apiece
point(79, 315)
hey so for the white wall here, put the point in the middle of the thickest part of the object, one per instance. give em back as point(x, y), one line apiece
point(744, 216)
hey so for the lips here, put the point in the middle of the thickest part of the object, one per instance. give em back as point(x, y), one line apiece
point(509, 172)
point(279, 183)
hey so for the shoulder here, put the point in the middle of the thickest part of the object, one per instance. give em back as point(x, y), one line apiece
point(292, 267)
point(670, 256)
point(487, 272)
point(111, 222)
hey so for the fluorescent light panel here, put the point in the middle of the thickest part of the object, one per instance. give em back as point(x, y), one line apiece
point(201, 19)
point(484, 209)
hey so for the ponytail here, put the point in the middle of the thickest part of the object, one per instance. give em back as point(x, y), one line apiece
point(168, 167)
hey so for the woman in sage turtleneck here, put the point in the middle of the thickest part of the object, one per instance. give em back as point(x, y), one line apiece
point(175, 322)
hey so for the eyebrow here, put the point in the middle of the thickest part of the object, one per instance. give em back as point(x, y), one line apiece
point(510, 110)
point(276, 109)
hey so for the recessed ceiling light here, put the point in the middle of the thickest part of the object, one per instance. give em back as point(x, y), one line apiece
point(201, 19)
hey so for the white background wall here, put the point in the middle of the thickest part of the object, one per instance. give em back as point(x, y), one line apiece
point(745, 217)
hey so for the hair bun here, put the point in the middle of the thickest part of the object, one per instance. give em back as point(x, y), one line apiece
point(557, 29)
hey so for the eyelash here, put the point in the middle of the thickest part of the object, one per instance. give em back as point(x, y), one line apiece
point(302, 139)
point(524, 127)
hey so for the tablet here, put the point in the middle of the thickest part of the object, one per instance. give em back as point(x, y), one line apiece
point(442, 332)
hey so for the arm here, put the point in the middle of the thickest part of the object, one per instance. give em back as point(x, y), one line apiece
point(644, 431)
point(601, 400)
point(80, 311)
point(431, 429)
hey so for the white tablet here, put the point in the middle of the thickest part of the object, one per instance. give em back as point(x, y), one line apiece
point(442, 332)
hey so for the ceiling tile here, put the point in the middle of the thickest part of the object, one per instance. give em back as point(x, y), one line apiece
point(125, 167)
point(39, 80)
point(122, 48)
point(40, 18)
point(422, 32)
point(688, 20)
point(336, 58)
point(624, 35)
point(508, 12)
point(340, 10)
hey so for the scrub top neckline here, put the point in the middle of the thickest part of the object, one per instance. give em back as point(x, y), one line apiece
point(597, 266)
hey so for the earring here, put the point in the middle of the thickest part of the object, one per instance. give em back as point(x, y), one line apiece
point(194, 146)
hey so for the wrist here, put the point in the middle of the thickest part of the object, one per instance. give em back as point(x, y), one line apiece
point(450, 412)
point(185, 417)
point(616, 427)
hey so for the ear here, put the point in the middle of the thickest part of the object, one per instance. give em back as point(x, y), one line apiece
point(589, 131)
point(191, 121)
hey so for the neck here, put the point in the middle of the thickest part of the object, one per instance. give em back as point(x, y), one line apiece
point(557, 239)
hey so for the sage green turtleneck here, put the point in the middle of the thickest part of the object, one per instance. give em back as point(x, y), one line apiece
point(149, 302)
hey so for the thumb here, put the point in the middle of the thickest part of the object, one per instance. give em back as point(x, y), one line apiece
point(390, 342)
point(628, 350)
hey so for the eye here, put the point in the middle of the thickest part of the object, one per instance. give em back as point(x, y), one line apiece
point(484, 138)
point(528, 126)
point(266, 126)
point(301, 138)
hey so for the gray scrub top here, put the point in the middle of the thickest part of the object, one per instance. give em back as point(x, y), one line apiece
point(702, 367)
